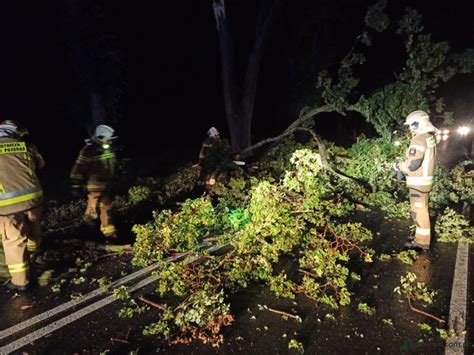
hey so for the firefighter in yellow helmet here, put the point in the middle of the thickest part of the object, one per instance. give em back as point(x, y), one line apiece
point(93, 173)
point(21, 199)
point(419, 166)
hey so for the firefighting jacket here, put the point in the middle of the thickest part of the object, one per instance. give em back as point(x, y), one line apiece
point(20, 189)
point(420, 161)
point(94, 168)
point(214, 152)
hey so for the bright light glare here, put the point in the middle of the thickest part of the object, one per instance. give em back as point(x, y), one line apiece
point(445, 137)
point(445, 131)
point(397, 143)
point(464, 130)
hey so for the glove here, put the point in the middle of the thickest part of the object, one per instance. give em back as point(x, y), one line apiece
point(77, 191)
point(400, 176)
point(397, 173)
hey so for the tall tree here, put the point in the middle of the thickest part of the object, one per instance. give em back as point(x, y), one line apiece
point(95, 58)
point(428, 65)
point(239, 95)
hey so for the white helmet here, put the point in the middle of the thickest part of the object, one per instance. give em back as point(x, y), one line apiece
point(213, 132)
point(12, 128)
point(103, 134)
point(419, 122)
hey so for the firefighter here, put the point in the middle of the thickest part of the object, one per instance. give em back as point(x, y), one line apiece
point(215, 153)
point(21, 200)
point(93, 173)
point(418, 168)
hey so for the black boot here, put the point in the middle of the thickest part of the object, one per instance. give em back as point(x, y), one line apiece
point(17, 288)
point(416, 246)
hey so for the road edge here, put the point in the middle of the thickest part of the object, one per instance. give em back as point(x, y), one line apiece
point(458, 306)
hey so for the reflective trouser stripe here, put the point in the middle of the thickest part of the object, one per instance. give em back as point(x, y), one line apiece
point(16, 268)
point(423, 231)
point(14, 239)
point(11, 198)
point(107, 230)
point(419, 210)
point(31, 245)
point(95, 185)
point(98, 202)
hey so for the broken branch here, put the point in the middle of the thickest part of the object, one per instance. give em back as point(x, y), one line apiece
point(423, 312)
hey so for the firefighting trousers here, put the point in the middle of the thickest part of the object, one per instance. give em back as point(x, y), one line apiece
point(420, 215)
point(18, 231)
point(100, 207)
point(4, 274)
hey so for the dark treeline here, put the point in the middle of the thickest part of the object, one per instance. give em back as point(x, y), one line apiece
point(153, 69)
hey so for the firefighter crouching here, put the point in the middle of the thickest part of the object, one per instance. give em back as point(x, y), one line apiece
point(93, 173)
point(419, 167)
point(21, 199)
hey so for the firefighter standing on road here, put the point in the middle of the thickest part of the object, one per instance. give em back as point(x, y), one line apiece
point(21, 199)
point(419, 167)
point(93, 173)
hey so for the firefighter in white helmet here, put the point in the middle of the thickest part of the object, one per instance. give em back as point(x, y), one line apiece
point(419, 166)
point(93, 173)
point(211, 142)
point(208, 155)
point(21, 200)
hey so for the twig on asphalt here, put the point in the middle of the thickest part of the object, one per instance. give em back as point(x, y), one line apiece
point(115, 340)
point(423, 312)
point(151, 303)
point(284, 313)
point(106, 256)
point(114, 254)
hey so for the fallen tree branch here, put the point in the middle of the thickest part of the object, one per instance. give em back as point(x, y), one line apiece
point(423, 312)
point(296, 126)
point(289, 130)
point(151, 303)
point(298, 318)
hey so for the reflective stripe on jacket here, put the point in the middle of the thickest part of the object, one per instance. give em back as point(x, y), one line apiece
point(20, 189)
point(94, 167)
point(420, 162)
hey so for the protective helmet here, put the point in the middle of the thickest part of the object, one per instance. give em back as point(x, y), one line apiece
point(103, 134)
point(213, 132)
point(12, 128)
point(419, 122)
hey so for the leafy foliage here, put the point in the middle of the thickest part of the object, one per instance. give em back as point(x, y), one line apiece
point(297, 214)
point(452, 186)
point(366, 309)
point(428, 65)
point(295, 344)
point(451, 227)
point(414, 290)
point(370, 161)
point(407, 257)
point(376, 18)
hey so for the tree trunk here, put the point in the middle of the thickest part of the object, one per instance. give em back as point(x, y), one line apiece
point(239, 108)
point(97, 108)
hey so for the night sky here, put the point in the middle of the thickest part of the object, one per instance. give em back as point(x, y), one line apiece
point(171, 69)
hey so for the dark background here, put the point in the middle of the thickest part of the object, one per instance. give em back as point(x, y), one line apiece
point(172, 70)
